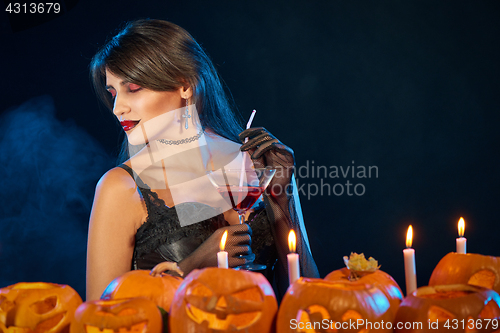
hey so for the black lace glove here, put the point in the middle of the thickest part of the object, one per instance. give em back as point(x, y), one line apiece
point(237, 246)
point(267, 150)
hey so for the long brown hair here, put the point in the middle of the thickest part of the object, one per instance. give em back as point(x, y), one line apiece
point(162, 56)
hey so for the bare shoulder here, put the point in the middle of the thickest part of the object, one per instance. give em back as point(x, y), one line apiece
point(116, 182)
point(117, 194)
point(118, 186)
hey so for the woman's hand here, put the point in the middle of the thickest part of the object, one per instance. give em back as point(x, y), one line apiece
point(266, 150)
point(237, 246)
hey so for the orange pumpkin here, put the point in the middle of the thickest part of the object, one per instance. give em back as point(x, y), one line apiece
point(139, 283)
point(475, 269)
point(368, 272)
point(120, 315)
point(449, 308)
point(317, 305)
point(218, 299)
point(379, 279)
point(37, 307)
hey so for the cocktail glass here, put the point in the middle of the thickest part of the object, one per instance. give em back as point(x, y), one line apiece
point(241, 188)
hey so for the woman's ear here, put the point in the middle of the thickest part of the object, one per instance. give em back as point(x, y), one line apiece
point(186, 92)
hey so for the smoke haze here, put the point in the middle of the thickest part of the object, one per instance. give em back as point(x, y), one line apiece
point(49, 171)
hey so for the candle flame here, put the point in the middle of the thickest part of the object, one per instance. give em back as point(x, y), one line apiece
point(291, 241)
point(409, 236)
point(223, 241)
point(461, 227)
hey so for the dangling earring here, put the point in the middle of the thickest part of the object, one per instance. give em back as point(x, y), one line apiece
point(186, 115)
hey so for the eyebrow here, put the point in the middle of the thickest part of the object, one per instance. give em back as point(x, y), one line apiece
point(122, 83)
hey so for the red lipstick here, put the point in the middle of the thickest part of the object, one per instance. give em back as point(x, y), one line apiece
point(128, 124)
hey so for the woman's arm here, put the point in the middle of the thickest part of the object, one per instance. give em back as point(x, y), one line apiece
point(282, 201)
point(117, 212)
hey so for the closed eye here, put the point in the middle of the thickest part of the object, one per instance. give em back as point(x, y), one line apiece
point(113, 93)
point(132, 87)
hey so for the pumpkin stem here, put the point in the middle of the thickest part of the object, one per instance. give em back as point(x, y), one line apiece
point(353, 275)
point(166, 266)
point(359, 266)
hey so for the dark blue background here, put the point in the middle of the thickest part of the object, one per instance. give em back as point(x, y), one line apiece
point(410, 87)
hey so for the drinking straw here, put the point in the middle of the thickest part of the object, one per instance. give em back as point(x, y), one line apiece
point(228, 187)
point(244, 154)
point(250, 121)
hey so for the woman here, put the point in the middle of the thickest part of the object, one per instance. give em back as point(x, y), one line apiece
point(154, 207)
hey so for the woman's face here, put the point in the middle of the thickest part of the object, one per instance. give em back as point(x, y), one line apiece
point(134, 104)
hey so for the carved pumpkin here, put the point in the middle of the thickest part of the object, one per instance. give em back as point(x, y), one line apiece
point(317, 305)
point(475, 269)
point(139, 283)
point(119, 315)
point(37, 307)
point(218, 299)
point(370, 275)
point(448, 308)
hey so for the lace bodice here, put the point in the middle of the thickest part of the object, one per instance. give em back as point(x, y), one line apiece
point(162, 238)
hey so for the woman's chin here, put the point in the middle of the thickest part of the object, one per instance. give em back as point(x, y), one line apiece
point(135, 137)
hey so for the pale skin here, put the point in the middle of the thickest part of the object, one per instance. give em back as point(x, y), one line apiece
point(118, 209)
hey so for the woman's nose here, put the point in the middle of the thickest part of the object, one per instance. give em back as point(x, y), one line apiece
point(120, 107)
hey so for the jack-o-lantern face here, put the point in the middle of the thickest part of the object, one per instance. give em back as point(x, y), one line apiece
point(138, 315)
point(37, 307)
point(310, 316)
point(315, 305)
point(223, 299)
point(470, 268)
point(461, 307)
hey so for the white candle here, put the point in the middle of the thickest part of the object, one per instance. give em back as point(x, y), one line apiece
point(410, 271)
point(293, 267)
point(293, 259)
point(222, 261)
point(409, 257)
point(461, 240)
point(462, 245)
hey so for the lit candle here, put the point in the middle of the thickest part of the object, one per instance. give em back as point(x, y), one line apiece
point(222, 255)
point(293, 259)
point(410, 271)
point(461, 240)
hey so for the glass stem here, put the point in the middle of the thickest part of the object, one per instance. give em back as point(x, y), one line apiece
point(242, 218)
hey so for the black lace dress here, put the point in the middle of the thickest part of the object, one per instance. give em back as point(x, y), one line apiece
point(161, 237)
